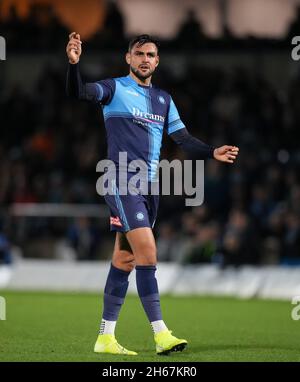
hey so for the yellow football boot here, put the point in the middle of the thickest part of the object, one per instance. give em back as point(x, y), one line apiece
point(166, 343)
point(107, 343)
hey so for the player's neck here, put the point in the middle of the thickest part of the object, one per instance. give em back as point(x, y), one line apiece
point(145, 82)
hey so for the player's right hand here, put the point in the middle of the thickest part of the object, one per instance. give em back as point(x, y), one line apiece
point(74, 48)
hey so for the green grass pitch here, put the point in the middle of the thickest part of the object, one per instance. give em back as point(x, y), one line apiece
point(44, 326)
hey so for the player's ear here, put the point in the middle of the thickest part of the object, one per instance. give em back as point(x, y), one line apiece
point(157, 61)
point(127, 57)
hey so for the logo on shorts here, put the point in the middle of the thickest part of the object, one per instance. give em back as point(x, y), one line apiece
point(115, 221)
point(161, 100)
point(139, 216)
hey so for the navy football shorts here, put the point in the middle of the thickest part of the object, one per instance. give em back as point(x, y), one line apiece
point(128, 212)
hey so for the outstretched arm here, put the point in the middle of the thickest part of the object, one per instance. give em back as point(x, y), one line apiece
point(226, 153)
point(191, 145)
point(201, 150)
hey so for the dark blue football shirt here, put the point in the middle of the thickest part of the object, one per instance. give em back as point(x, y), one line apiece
point(135, 118)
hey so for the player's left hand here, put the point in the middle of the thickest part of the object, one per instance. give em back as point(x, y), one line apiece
point(226, 153)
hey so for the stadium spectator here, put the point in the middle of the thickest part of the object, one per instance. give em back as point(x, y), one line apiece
point(204, 245)
point(190, 33)
point(5, 253)
point(84, 238)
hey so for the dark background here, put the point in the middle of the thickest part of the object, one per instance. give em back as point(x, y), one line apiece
point(234, 90)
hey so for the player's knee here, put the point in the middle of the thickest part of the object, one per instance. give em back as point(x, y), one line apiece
point(148, 249)
point(126, 267)
point(146, 256)
point(124, 260)
point(146, 261)
point(129, 266)
point(150, 254)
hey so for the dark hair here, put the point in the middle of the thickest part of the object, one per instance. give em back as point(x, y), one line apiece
point(141, 40)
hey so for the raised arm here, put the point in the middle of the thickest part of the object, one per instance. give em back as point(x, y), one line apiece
point(74, 86)
point(73, 48)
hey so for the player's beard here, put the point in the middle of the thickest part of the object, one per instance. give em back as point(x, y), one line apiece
point(140, 75)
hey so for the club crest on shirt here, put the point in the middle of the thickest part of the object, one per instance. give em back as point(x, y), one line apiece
point(161, 99)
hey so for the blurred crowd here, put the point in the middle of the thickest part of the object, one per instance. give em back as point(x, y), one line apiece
point(43, 31)
point(49, 147)
point(251, 212)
